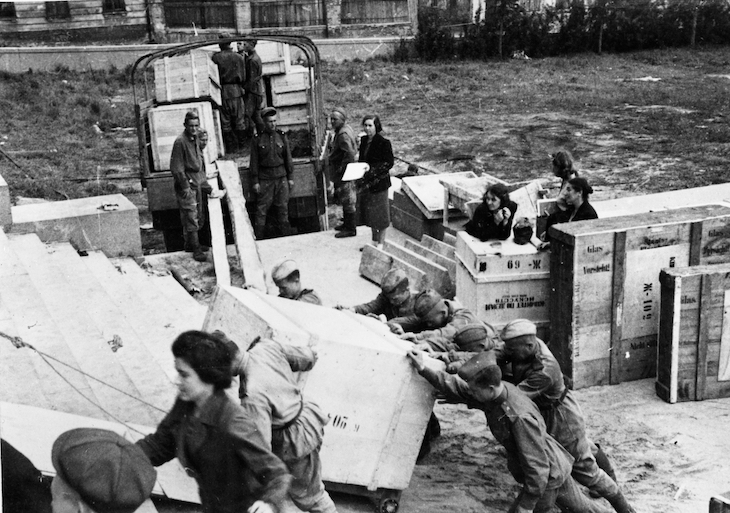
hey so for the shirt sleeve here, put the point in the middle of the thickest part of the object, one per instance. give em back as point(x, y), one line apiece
point(535, 384)
point(376, 306)
point(177, 166)
point(288, 162)
point(452, 386)
point(160, 447)
point(533, 458)
point(347, 145)
point(300, 359)
point(253, 163)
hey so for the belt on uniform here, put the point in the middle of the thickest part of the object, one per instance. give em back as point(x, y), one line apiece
point(293, 420)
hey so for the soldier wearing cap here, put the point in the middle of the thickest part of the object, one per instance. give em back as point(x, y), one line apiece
point(394, 300)
point(435, 322)
point(537, 373)
point(254, 86)
point(232, 72)
point(534, 458)
point(292, 425)
point(271, 168)
point(286, 277)
point(99, 471)
point(470, 339)
point(341, 150)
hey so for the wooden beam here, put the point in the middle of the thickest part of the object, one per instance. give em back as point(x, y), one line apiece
point(218, 238)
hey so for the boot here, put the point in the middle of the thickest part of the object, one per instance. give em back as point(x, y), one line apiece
point(187, 247)
point(198, 253)
point(619, 503)
point(340, 226)
point(242, 139)
point(230, 142)
point(349, 230)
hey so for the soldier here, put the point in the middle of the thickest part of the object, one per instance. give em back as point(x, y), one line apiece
point(232, 71)
point(342, 148)
point(188, 171)
point(394, 300)
point(435, 322)
point(294, 426)
point(537, 373)
point(254, 87)
point(534, 458)
point(98, 471)
point(271, 168)
point(287, 278)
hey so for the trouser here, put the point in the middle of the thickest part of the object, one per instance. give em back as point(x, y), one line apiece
point(569, 498)
point(273, 192)
point(307, 490)
point(233, 113)
point(192, 214)
point(253, 105)
point(347, 196)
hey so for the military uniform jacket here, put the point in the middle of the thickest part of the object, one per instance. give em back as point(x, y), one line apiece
point(270, 157)
point(307, 296)
point(272, 398)
point(381, 306)
point(186, 164)
point(534, 458)
point(541, 379)
point(234, 467)
point(232, 70)
point(254, 74)
point(342, 148)
point(442, 339)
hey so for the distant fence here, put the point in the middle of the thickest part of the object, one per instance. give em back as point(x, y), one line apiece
point(204, 15)
point(287, 13)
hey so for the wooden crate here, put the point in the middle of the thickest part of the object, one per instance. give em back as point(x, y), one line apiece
point(427, 193)
point(604, 274)
point(720, 503)
point(290, 89)
point(187, 77)
point(694, 333)
point(407, 217)
point(166, 123)
point(305, 182)
point(500, 284)
point(275, 57)
point(378, 404)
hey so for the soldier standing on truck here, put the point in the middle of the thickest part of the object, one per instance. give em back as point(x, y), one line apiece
point(341, 151)
point(232, 71)
point(254, 87)
point(271, 168)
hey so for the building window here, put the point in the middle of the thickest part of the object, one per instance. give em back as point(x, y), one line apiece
point(203, 14)
point(7, 10)
point(113, 6)
point(57, 11)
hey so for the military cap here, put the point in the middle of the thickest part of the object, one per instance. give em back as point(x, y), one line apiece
point(471, 337)
point(111, 474)
point(425, 302)
point(477, 364)
point(282, 270)
point(393, 279)
point(267, 112)
point(340, 112)
point(518, 328)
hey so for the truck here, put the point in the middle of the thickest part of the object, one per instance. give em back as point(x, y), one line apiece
point(169, 82)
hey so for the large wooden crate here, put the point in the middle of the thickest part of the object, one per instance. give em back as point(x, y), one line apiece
point(501, 281)
point(694, 333)
point(604, 275)
point(290, 89)
point(187, 77)
point(408, 218)
point(275, 57)
point(166, 123)
point(378, 404)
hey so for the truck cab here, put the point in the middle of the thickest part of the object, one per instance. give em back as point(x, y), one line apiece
point(172, 81)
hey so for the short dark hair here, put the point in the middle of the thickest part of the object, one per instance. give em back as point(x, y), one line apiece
point(207, 354)
point(563, 161)
point(490, 376)
point(500, 191)
point(191, 114)
point(581, 185)
point(376, 122)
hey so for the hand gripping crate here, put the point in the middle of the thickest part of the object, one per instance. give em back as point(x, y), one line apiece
point(501, 281)
point(363, 380)
point(694, 334)
point(187, 77)
point(604, 276)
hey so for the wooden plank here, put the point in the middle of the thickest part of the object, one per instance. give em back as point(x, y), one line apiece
point(439, 247)
point(218, 238)
point(244, 239)
point(695, 243)
point(186, 304)
point(448, 263)
point(723, 372)
point(437, 274)
point(89, 346)
point(427, 192)
point(449, 239)
point(375, 262)
point(702, 339)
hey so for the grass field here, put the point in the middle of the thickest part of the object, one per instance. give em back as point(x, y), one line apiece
point(640, 122)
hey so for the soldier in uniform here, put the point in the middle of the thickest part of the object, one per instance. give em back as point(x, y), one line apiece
point(342, 148)
point(394, 300)
point(286, 276)
point(232, 72)
point(536, 461)
point(271, 168)
point(537, 374)
point(272, 398)
point(254, 87)
point(435, 322)
point(188, 171)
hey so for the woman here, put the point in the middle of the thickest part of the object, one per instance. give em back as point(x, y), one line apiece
point(576, 196)
point(493, 218)
point(377, 151)
point(235, 469)
point(563, 169)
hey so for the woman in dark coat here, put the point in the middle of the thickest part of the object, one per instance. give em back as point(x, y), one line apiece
point(210, 435)
point(377, 151)
point(579, 209)
point(493, 218)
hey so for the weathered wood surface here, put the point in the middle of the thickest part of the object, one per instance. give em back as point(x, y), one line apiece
point(375, 262)
point(427, 192)
point(186, 77)
point(434, 256)
point(437, 274)
point(218, 238)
